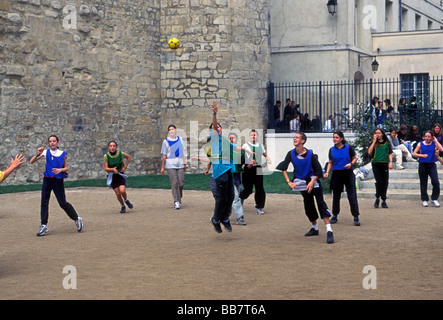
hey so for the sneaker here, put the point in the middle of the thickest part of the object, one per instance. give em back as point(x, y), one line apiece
point(376, 203)
point(334, 219)
point(176, 205)
point(79, 224)
point(356, 221)
point(311, 233)
point(259, 211)
point(241, 221)
point(227, 225)
point(425, 203)
point(129, 204)
point(435, 203)
point(384, 204)
point(216, 226)
point(399, 167)
point(123, 209)
point(43, 230)
point(329, 237)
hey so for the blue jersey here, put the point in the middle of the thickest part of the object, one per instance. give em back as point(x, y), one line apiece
point(429, 150)
point(221, 149)
point(54, 162)
point(340, 157)
point(302, 166)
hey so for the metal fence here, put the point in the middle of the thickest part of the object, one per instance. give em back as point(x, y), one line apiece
point(325, 100)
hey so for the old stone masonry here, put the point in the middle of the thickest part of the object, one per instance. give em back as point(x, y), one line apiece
point(92, 71)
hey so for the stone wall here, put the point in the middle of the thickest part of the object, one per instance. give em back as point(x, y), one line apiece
point(92, 71)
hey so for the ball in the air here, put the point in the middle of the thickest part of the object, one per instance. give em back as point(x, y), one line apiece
point(174, 43)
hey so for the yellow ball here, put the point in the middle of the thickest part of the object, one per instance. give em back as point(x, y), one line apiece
point(174, 43)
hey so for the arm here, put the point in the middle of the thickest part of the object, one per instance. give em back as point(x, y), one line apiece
point(328, 169)
point(38, 156)
point(417, 154)
point(162, 170)
point(128, 158)
point(15, 163)
point(214, 110)
point(371, 147)
point(207, 168)
point(64, 168)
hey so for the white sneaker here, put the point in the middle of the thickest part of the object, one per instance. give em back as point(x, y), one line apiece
point(79, 224)
point(435, 203)
point(176, 205)
point(259, 211)
point(425, 203)
point(43, 230)
point(399, 167)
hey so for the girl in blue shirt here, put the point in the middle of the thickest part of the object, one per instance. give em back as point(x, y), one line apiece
point(55, 171)
point(341, 159)
point(425, 152)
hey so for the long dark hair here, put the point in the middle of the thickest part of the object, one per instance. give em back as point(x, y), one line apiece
point(384, 137)
point(342, 136)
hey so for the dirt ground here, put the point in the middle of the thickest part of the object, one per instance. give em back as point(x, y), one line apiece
point(154, 252)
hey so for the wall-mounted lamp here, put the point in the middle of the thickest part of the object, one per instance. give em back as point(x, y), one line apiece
point(332, 6)
point(374, 64)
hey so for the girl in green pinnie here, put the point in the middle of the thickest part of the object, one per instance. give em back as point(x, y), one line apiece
point(115, 167)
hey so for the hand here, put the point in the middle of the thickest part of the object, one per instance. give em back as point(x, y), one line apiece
point(16, 162)
point(40, 150)
point(214, 108)
point(57, 170)
point(162, 171)
point(326, 175)
point(348, 166)
point(390, 165)
point(115, 170)
point(292, 184)
point(310, 186)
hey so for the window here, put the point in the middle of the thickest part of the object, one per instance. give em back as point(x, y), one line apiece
point(416, 85)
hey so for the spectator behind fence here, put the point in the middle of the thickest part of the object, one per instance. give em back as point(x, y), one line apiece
point(306, 123)
point(437, 133)
point(276, 110)
point(294, 124)
point(329, 124)
point(316, 124)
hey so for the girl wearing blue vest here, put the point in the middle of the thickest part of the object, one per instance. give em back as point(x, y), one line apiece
point(307, 171)
point(174, 161)
point(56, 171)
point(341, 159)
point(425, 152)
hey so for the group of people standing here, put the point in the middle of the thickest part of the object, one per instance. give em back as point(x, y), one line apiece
point(427, 151)
point(235, 166)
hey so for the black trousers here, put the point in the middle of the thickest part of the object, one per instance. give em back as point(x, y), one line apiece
point(224, 196)
point(339, 180)
point(253, 177)
point(56, 185)
point(308, 201)
point(425, 170)
point(381, 175)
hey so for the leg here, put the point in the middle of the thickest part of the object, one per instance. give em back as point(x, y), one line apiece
point(236, 204)
point(435, 182)
point(46, 195)
point(247, 184)
point(173, 179)
point(351, 191)
point(260, 194)
point(181, 182)
point(337, 189)
point(59, 191)
point(423, 175)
